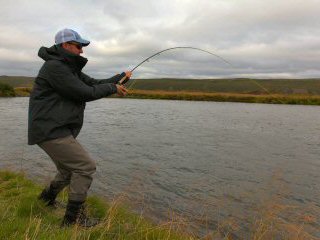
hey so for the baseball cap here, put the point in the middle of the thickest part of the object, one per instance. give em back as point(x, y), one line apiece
point(68, 35)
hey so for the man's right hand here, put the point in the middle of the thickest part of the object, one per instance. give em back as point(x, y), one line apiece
point(128, 74)
point(121, 90)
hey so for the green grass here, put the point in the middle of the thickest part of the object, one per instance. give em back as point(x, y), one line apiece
point(23, 216)
point(6, 90)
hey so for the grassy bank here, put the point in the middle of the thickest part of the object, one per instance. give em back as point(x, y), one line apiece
point(22, 216)
point(6, 90)
point(235, 85)
point(227, 97)
point(301, 99)
point(277, 91)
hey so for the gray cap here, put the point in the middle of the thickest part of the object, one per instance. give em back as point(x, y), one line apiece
point(68, 35)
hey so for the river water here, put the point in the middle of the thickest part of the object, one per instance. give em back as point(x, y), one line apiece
point(203, 164)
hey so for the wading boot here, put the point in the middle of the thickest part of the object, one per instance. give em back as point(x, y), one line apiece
point(49, 195)
point(75, 214)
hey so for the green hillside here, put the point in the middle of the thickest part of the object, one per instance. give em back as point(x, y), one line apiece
point(253, 86)
point(240, 85)
point(17, 81)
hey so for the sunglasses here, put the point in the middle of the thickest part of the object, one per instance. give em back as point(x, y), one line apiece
point(78, 46)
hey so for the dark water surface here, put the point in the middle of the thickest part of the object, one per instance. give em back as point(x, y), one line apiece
point(212, 164)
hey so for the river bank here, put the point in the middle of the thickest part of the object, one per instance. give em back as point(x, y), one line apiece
point(227, 97)
point(276, 91)
point(298, 99)
point(23, 216)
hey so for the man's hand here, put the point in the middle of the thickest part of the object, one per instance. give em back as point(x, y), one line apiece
point(121, 90)
point(128, 74)
point(126, 77)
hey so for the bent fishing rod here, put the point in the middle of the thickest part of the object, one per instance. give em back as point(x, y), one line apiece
point(125, 79)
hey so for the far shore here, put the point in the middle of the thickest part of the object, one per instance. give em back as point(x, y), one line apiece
point(248, 90)
point(301, 99)
point(227, 97)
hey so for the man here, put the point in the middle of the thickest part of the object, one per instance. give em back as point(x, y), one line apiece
point(56, 110)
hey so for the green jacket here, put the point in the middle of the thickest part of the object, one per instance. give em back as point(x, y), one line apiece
point(59, 95)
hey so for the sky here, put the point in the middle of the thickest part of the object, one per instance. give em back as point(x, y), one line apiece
point(260, 38)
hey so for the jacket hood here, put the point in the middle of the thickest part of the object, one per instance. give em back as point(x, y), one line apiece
point(55, 52)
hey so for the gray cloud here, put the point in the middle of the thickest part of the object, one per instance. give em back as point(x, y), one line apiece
point(261, 38)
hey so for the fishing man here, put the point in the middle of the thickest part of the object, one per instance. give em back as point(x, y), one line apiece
point(56, 110)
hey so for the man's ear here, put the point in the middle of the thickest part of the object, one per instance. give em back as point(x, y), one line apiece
point(64, 45)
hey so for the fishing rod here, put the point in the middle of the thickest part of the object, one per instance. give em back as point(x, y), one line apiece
point(125, 79)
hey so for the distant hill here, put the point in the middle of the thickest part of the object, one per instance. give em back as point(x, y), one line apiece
point(238, 85)
point(17, 81)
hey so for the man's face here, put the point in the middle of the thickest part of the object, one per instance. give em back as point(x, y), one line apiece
point(75, 48)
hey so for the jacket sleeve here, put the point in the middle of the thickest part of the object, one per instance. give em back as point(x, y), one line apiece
point(91, 81)
point(70, 86)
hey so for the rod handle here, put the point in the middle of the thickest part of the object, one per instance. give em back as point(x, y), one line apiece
point(123, 80)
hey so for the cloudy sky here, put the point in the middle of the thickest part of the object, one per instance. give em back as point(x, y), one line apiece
point(261, 38)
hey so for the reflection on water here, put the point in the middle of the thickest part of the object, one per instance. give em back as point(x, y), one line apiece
point(212, 164)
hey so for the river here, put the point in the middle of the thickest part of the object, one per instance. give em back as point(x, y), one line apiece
point(206, 164)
